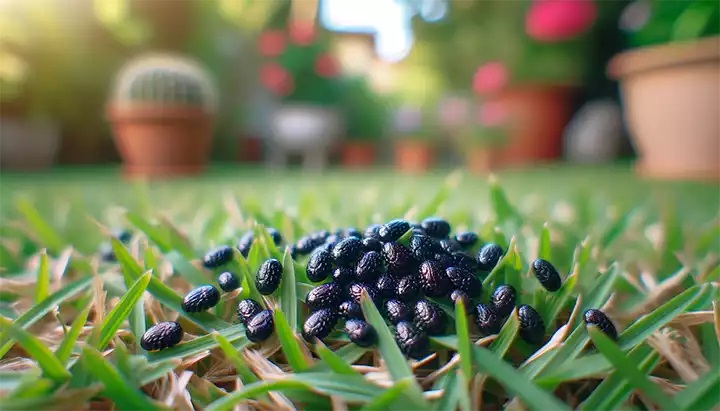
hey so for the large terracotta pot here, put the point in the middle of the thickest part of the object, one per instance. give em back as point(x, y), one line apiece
point(27, 144)
point(414, 156)
point(538, 116)
point(671, 97)
point(481, 160)
point(162, 141)
point(355, 154)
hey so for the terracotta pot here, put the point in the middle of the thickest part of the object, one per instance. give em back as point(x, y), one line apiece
point(162, 141)
point(481, 160)
point(27, 144)
point(671, 104)
point(355, 154)
point(538, 116)
point(414, 156)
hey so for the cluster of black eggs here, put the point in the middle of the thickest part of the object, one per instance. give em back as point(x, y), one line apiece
point(403, 278)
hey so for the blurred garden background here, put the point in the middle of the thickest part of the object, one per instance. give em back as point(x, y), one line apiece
point(166, 86)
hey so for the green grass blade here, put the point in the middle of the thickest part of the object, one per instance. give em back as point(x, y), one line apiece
point(464, 344)
point(64, 351)
point(228, 402)
point(441, 196)
point(38, 311)
point(621, 363)
point(289, 342)
point(506, 336)
point(614, 390)
point(124, 395)
point(175, 239)
point(394, 359)
point(153, 233)
point(544, 245)
point(42, 285)
point(616, 229)
point(391, 398)
point(507, 259)
point(702, 394)
point(122, 310)
point(451, 393)
point(557, 301)
point(231, 353)
point(234, 334)
point(51, 366)
point(288, 291)
point(348, 354)
point(502, 208)
point(8, 260)
point(333, 361)
point(163, 293)
point(44, 231)
point(515, 382)
point(182, 266)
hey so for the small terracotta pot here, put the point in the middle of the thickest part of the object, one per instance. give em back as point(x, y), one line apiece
point(250, 150)
point(355, 154)
point(481, 160)
point(414, 156)
point(671, 103)
point(538, 116)
point(162, 141)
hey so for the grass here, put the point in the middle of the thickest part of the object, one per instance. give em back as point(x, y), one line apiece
point(646, 253)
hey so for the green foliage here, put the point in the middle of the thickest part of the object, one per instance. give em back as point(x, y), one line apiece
point(677, 21)
point(366, 114)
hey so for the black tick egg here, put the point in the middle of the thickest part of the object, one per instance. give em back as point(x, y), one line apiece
point(319, 324)
point(459, 295)
point(218, 257)
point(436, 227)
point(386, 286)
point(532, 328)
point(350, 309)
point(200, 299)
point(396, 311)
point(464, 280)
point(355, 292)
point(247, 309)
point(343, 275)
point(360, 332)
point(398, 259)
point(429, 317)
point(433, 279)
point(488, 256)
point(372, 244)
point(546, 274)
point(161, 335)
point(393, 230)
point(487, 319)
point(598, 318)
point(269, 276)
point(408, 288)
point(423, 247)
point(260, 327)
point(466, 239)
point(347, 252)
point(324, 296)
point(228, 281)
point(320, 265)
point(503, 299)
point(369, 268)
point(412, 341)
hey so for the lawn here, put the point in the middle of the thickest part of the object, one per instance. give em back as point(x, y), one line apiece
point(645, 253)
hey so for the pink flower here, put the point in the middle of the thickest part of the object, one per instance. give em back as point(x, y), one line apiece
point(276, 79)
point(556, 20)
point(271, 43)
point(492, 114)
point(490, 77)
point(325, 66)
point(301, 32)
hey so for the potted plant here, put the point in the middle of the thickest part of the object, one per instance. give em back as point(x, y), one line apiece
point(300, 71)
point(484, 136)
point(669, 82)
point(366, 117)
point(162, 110)
point(414, 148)
point(528, 55)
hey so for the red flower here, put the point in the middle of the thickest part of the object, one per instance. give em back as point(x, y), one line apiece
point(555, 20)
point(301, 32)
point(326, 66)
point(271, 43)
point(276, 79)
point(490, 77)
point(492, 114)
